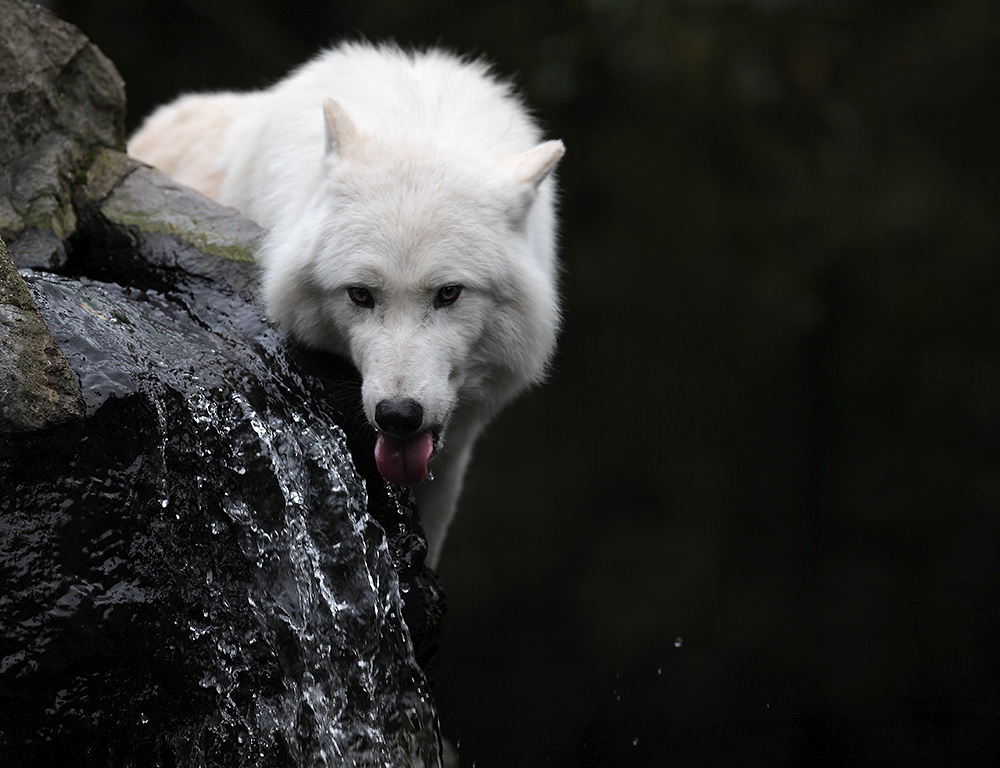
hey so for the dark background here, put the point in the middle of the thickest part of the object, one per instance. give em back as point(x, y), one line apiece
point(752, 519)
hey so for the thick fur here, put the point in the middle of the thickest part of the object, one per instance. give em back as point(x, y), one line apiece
point(399, 173)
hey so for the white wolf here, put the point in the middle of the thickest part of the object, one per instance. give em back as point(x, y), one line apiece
point(409, 203)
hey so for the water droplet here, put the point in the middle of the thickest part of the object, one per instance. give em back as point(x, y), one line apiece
point(635, 741)
point(659, 670)
point(678, 641)
point(164, 503)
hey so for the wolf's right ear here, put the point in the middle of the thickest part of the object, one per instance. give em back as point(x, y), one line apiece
point(341, 132)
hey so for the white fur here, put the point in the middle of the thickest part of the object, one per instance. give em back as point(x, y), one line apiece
point(400, 173)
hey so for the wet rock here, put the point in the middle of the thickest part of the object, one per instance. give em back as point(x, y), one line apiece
point(191, 573)
point(199, 563)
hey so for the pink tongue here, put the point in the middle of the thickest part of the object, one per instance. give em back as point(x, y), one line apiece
point(403, 461)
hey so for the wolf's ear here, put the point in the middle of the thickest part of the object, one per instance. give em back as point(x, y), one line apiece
point(341, 132)
point(531, 168)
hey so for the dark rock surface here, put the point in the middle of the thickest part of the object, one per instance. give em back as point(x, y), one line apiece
point(199, 564)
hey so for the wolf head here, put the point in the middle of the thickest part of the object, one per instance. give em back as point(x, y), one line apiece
point(432, 269)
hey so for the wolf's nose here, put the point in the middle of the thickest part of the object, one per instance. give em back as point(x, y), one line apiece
point(399, 417)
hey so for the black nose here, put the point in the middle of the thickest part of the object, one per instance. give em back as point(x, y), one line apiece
point(399, 417)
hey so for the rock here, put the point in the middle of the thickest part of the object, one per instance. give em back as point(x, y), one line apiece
point(140, 225)
point(191, 574)
point(199, 563)
point(38, 390)
point(60, 98)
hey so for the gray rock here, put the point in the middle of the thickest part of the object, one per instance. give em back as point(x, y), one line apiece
point(38, 390)
point(140, 226)
point(60, 98)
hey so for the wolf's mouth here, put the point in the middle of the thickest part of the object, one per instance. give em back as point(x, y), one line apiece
point(403, 460)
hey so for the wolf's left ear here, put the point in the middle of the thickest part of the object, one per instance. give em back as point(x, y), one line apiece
point(341, 132)
point(531, 168)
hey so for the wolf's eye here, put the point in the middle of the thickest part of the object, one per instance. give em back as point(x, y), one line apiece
point(447, 295)
point(361, 296)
